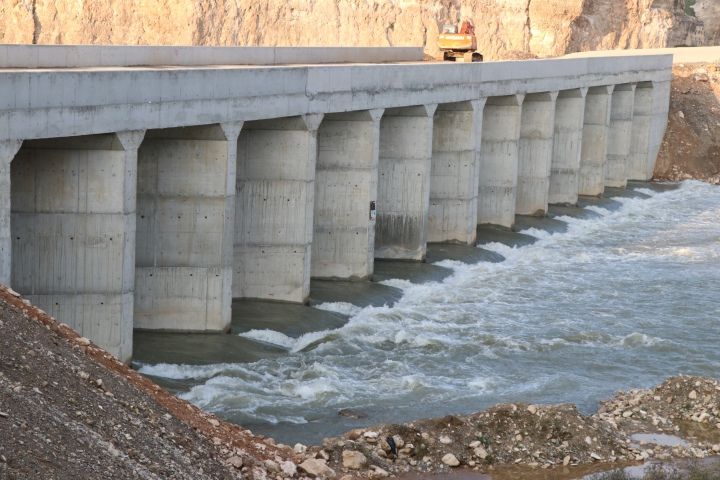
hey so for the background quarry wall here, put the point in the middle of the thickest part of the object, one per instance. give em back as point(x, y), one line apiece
point(506, 28)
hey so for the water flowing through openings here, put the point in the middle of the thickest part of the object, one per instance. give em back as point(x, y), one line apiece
point(621, 300)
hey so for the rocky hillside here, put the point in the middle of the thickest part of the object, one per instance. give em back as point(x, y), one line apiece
point(506, 28)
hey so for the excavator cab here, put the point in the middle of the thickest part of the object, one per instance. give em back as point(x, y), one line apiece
point(459, 45)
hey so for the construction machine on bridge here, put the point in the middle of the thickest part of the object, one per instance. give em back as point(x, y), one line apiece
point(459, 45)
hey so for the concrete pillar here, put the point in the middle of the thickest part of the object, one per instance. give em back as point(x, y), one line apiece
point(537, 132)
point(658, 124)
point(404, 182)
point(8, 149)
point(457, 134)
point(73, 231)
point(567, 147)
point(274, 208)
point(185, 228)
point(345, 195)
point(638, 160)
point(498, 170)
point(620, 135)
point(595, 140)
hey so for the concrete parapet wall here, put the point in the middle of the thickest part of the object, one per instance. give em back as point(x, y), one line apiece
point(81, 56)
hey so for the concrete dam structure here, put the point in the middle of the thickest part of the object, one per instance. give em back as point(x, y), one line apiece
point(146, 187)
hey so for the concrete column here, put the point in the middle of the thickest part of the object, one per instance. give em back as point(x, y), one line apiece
point(404, 182)
point(658, 124)
point(185, 228)
point(620, 135)
point(73, 231)
point(457, 135)
point(498, 170)
point(8, 149)
point(638, 160)
point(537, 132)
point(567, 147)
point(345, 195)
point(595, 140)
point(274, 208)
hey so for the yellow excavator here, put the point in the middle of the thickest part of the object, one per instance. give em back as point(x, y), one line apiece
point(459, 45)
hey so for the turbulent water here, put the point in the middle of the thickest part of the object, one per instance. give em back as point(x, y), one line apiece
point(618, 301)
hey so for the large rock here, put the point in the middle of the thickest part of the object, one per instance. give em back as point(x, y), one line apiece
point(504, 27)
point(353, 460)
point(317, 468)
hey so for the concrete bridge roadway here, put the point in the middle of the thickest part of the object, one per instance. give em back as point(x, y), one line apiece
point(137, 194)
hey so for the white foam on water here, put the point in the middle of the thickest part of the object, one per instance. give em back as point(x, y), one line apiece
point(342, 308)
point(184, 372)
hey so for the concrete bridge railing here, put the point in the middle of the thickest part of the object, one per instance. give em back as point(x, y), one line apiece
point(150, 197)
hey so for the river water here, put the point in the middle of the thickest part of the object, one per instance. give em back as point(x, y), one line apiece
point(624, 298)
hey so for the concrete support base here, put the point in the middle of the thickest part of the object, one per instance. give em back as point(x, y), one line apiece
point(595, 140)
point(620, 135)
point(457, 134)
point(404, 182)
point(638, 166)
point(8, 149)
point(498, 170)
point(567, 147)
point(274, 208)
point(658, 124)
point(345, 195)
point(185, 227)
point(73, 230)
point(537, 133)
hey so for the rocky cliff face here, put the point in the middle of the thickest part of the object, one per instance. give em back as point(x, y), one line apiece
point(506, 28)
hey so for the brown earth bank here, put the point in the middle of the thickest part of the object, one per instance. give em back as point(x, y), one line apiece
point(691, 148)
point(70, 410)
point(505, 28)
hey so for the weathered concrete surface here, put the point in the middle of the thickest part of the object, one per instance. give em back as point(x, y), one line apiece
point(639, 166)
point(49, 104)
point(406, 136)
point(457, 135)
point(567, 147)
point(537, 133)
point(8, 149)
point(346, 188)
point(79, 56)
point(274, 208)
point(185, 228)
point(73, 233)
point(598, 104)
point(620, 135)
point(498, 171)
point(659, 122)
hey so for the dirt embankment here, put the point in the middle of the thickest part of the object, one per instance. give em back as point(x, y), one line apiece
point(70, 410)
point(691, 148)
point(542, 437)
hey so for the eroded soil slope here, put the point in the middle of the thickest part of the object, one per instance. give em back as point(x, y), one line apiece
point(691, 148)
point(69, 410)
